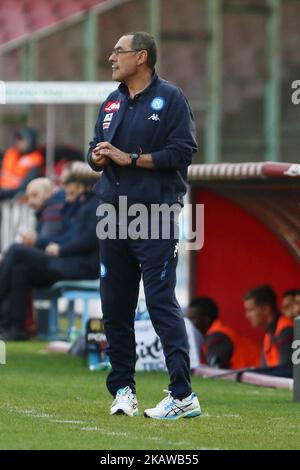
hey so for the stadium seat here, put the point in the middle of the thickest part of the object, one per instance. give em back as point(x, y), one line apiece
point(84, 290)
point(16, 21)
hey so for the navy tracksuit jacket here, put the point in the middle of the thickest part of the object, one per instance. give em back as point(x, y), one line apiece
point(157, 121)
point(50, 219)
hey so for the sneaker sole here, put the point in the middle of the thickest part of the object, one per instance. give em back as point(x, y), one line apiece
point(120, 412)
point(188, 414)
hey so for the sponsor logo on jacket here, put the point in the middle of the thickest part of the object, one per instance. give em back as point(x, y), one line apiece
point(112, 106)
point(154, 117)
point(107, 120)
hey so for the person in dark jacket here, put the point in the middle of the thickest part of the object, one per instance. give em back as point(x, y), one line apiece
point(144, 141)
point(30, 267)
point(47, 205)
point(72, 188)
point(288, 302)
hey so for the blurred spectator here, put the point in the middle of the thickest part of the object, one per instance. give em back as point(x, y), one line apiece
point(261, 310)
point(63, 157)
point(48, 206)
point(222, 346)
point(29, 267)
point(73, 189)
point(55, 217)
point(296, 304)
point(21, 164)
point(288, 301)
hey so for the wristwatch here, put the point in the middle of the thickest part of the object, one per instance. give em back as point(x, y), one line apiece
point(134, 157)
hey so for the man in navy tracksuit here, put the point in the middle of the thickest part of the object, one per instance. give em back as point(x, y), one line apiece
point(144, 140)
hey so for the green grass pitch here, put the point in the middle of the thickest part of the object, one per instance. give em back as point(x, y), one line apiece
point(51, 401)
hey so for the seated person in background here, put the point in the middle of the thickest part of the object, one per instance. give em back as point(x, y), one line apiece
point(222, 347)
point(288, 300)
point(21, 164)
point(261, 310)
point(48, 206)
point(295, 311)
point(74, 256)
point(54, 215)
point(73, 189)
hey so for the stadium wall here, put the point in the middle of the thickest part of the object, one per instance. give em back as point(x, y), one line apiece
point(183, 39)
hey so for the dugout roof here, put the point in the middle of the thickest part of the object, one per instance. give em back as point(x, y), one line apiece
point(251, 233)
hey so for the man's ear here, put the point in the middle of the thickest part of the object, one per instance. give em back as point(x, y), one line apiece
point(142, 58)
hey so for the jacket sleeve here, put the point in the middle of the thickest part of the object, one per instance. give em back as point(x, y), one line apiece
point(85, 239)
point(284, 344)
point(82, 244)
point(180, 136)
point(98, 137)
point(43, 241)
point(51, 228)
point(218, 350)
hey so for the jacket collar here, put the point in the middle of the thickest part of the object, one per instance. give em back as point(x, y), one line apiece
point(124, 90)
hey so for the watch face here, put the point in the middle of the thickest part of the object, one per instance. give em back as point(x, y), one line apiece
point(134, 156)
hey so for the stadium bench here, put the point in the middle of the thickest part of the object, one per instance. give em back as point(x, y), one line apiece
point(84, 290)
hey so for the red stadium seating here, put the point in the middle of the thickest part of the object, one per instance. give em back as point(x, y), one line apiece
point(19, 19)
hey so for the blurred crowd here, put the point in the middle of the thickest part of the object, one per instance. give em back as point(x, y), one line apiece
point(223, 347)
point(63, 244)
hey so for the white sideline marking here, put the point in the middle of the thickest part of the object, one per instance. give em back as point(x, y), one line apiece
point(33, 413)
point(103, 431)
point(67, 421)
point(210, 448)
point(30, 412)
point(156, 439)
point(230, 415)
point(225, 415)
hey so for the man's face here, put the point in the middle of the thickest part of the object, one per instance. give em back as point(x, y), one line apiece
point(256, 314)
point(287, 305)
point(296, 306)
point(36, 197)
point(21, 144)
point(72, 191)
point(124, 65)
point(201, 322)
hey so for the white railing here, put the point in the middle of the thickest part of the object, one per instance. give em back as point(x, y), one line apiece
point(15, 218)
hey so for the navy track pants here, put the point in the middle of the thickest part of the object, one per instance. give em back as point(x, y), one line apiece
point(123, 262)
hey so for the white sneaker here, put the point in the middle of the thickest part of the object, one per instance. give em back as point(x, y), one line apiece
point(125, 403)
point(171, 408)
